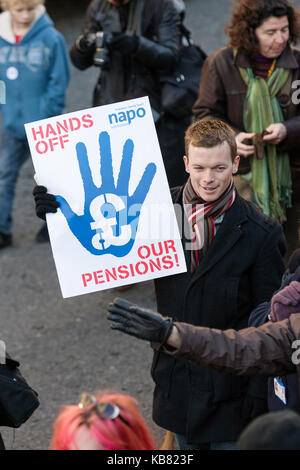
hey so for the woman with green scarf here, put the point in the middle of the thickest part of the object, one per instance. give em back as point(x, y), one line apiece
point(252, 85)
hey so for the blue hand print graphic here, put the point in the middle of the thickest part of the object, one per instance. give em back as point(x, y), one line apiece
point(110, 219)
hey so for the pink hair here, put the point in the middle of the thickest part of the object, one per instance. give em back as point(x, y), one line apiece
point(126, 432)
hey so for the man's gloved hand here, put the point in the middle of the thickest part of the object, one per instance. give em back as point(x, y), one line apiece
point(85, 43)
point(139, 322)
point(44, 202)
point(285, 302)
point(124, 43)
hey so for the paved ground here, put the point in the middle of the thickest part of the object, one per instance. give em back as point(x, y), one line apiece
point(66, 346)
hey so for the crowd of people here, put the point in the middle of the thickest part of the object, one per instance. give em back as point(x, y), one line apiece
point(223, 363)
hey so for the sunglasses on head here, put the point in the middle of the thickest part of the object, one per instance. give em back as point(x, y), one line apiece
point(104, 410)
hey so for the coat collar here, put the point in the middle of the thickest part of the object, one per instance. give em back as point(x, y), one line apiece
point(286, 60)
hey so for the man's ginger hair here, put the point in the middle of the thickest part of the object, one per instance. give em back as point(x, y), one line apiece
point(7, 4)
point(210, 133)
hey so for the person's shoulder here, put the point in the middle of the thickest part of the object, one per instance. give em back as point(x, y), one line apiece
point(50, 34)
point(176, 192)
point(224, 53)
point(221, 59)
point(296, 53)
point(256, 217)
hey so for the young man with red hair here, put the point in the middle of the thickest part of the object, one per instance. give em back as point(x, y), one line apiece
point(234, 262)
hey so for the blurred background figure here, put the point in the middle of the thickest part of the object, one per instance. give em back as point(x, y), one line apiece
point(272, 431)
point(283, 303)
point(34, 67)
point(107, 421)
point(249, 85)
point(133, 42)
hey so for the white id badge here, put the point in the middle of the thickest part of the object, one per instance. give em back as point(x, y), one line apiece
point(280, 389)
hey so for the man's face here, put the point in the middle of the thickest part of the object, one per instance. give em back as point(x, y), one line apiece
point(210, 170)
point(22, 16)
point(273, 35)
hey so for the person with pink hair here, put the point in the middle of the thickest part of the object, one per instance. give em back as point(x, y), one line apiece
point(107, 421)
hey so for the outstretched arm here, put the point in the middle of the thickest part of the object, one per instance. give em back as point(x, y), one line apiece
point(264, 351)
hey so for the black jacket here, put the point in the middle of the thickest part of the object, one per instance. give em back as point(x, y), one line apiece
point(136, 75)
point(242, 268)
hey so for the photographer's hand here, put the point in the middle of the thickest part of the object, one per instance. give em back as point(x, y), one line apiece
point(124, 43)
point(85, 43)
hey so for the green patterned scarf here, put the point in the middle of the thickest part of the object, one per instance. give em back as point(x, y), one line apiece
point(271, 176)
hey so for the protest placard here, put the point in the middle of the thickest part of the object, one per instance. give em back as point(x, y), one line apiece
point(116, 223)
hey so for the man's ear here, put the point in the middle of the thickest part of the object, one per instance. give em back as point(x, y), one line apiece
point(186, 163)
point(235, 165)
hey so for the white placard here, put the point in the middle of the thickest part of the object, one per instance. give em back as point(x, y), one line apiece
point(116, 223)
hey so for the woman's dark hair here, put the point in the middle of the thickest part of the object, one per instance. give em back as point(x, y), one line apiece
point(248, 15)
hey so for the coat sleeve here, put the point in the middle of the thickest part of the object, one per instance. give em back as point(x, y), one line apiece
point(162, 54)
point(263, 351)
point(83, 60)
point(291, 142)
point(53, 100)
point(212, 100)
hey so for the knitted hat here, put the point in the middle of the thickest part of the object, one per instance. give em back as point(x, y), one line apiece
point(279, 430)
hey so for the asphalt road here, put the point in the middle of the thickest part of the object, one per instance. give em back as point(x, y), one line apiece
point(65, 346)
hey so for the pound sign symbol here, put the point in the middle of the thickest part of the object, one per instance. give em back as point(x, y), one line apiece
point(105, 210)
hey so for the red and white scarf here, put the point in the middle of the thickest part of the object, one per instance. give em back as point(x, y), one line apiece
point(201, 216)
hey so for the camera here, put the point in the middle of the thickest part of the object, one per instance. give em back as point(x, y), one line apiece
point(102, 56)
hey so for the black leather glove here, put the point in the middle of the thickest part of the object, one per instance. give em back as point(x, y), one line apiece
point(139, 322)
point(44, 202)
point(85, 43)
point(124, 43)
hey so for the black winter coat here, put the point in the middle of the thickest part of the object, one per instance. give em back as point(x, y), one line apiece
point(242, 268)
point(138, 74)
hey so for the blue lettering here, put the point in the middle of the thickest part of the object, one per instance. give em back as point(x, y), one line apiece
point(141, 112)
point(122, 117)
point(127, 116)
point(110, 116)
point(130, 115)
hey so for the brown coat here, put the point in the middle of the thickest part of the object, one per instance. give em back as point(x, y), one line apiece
point(268, 350)
point(222, 92)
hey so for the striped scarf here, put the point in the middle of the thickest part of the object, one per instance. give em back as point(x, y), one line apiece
point(201, 216)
